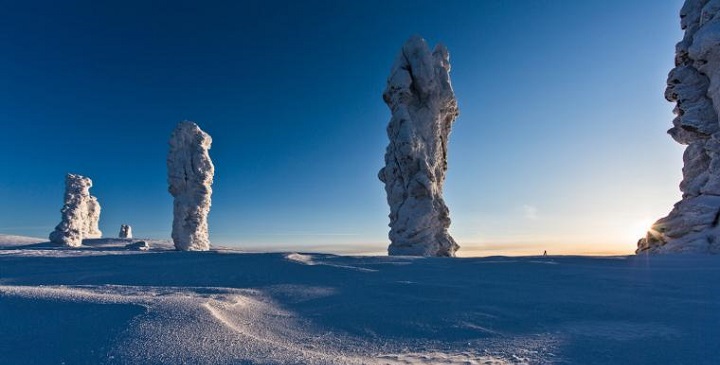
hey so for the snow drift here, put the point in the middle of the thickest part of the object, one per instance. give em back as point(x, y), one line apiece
point(105, 304)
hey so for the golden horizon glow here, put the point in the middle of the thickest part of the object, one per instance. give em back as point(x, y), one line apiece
point(639, 228)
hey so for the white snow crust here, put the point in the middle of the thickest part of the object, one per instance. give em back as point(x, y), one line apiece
point(104, 304)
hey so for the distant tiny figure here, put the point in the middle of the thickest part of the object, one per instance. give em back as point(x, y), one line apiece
point(545, 253)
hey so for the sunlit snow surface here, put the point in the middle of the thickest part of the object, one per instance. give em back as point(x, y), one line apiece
point(104, 304)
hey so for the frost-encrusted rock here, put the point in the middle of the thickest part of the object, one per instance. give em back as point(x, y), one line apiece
point(190, 178)
point(423, 108)
point(80, 213)
point(139, 245)
point(694, 84)
point(125, 231)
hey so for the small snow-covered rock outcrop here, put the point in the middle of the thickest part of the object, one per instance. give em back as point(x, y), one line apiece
point(694, 84)
point(423, 107)
point(125, 231)
point(139, 246)
point(80, 213)
point(190, 178)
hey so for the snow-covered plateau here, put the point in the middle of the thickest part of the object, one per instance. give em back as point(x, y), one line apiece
point(103, 303)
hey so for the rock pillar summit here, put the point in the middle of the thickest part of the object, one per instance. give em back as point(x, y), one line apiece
point(190, 178)
point(423, 107)
point(694, 85)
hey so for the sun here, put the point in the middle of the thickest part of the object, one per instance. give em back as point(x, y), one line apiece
point(639, 228)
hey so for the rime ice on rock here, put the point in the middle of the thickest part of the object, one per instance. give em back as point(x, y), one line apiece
point(423, 108)
point(80, 213)
point(190, 178)
point(125, 231)
point(694, 84)
point(139, 245)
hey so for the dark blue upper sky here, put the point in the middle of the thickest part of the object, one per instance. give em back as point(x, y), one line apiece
point(560, 138)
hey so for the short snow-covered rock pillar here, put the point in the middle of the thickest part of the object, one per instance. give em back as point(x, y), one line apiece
point(80, 213)
point(125, 231)
point(190, 178)
point(423, 107)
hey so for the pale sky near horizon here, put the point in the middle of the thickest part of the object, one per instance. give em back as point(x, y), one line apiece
point(560, 144)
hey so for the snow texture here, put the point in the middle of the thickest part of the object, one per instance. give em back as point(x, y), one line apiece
point(125, 231)
point(423, 108)
point(190, 178)
point(694, 84)
point(104, 304)
point(80, 213)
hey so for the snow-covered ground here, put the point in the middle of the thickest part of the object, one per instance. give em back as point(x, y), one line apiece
point(106, 305)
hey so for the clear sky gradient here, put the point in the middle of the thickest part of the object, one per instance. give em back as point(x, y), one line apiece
point(560, 143)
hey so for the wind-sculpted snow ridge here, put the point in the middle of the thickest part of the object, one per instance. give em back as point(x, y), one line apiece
point(80, 213)
point(212, 325)
point(423, 108)
point(694, 84)
point(190, 178)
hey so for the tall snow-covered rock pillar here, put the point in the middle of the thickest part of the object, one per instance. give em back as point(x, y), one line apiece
point(694, 85)
point(423, 107)
point(190, 178)
point(80, 213)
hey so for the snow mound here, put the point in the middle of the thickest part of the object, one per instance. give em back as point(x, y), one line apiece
point(7, 240)
point(298, 257)
point(139, 245)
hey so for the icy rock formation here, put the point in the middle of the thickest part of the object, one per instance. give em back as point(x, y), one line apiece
point(694, 84)
point(125, 231)
point(423, 108)
point(190, 176)
point(80, 213)
point(138, 246)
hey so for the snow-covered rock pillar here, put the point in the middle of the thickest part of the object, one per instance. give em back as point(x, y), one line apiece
point(190, 178)
point(80, 213)
point(423, 108)
point(125, 231)
point(694, 84)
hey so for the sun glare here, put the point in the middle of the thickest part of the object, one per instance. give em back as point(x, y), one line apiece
point(639, 228)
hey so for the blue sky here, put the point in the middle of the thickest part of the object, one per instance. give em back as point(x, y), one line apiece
point(560, 143)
